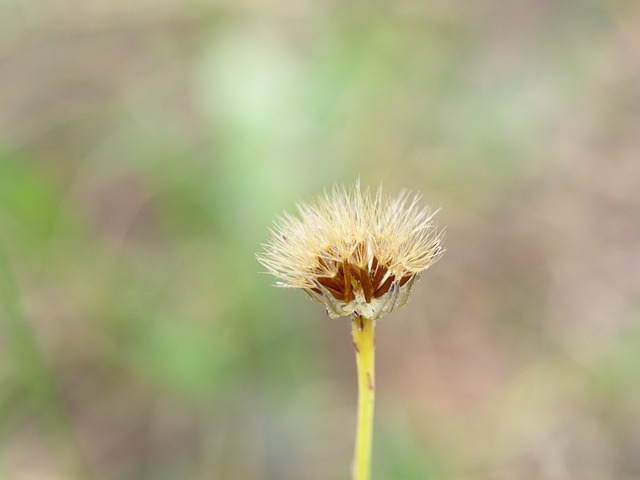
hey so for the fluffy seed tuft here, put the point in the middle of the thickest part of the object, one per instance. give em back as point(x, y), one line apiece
point(355, 252)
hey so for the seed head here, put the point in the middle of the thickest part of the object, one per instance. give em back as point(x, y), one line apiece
point(355, 252)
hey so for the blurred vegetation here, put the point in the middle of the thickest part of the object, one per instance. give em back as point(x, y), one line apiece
point(145, 149)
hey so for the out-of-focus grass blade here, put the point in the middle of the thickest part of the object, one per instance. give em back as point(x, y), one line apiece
point(36, 379)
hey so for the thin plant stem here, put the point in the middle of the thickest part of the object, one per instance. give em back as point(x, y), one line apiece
point(363, 331)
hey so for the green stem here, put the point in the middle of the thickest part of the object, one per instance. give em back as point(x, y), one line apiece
point(363, 332)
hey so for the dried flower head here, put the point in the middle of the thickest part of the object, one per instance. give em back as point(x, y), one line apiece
point(355, 252)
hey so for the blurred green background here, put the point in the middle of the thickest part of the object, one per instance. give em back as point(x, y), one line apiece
point(146, 148)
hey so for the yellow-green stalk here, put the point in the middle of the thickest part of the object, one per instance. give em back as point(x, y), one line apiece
point(363, 332)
